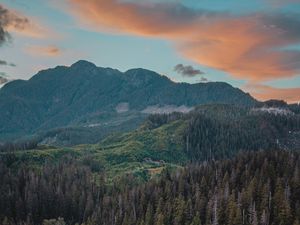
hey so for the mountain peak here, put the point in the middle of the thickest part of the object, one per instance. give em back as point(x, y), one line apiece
point(139, 76)
point(82, 64)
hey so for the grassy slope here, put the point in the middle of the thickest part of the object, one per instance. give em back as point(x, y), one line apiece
point(142, 152)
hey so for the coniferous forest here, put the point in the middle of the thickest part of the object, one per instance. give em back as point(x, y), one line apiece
point(261, 188)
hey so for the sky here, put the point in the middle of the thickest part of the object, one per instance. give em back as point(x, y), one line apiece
point(253, 45)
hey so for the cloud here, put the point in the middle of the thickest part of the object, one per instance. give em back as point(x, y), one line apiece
point(203, 79)
point(253, 50)
point(265, 92)
point(252, 47)
point(145, 19)
point(4, 63)
point(3, 78)
point(44, 50)
point(187, 71)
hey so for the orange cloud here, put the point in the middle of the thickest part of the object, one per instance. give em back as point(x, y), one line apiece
point(143, 19)
point(248, 47)
point(265, 92)
point(44, 51)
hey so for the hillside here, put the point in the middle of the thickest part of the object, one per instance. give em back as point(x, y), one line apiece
point(209, 165)
point(84, 95)
point(208, 133)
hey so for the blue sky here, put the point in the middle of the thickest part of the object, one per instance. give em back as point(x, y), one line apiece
point(69, 32)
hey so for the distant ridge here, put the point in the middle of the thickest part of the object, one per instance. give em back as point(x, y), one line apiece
point(84, 93)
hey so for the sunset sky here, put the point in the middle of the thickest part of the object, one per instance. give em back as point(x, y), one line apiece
point(253, 45)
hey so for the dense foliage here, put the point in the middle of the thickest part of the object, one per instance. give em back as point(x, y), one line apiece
point(221, 131)
point(260, 188)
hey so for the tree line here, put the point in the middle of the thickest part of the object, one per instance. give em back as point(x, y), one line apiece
point(208, 137)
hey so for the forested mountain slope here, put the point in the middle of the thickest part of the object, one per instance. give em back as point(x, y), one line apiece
point(84, 95)
point(208, 133)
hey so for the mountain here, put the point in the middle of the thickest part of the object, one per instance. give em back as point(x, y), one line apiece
point(84, 95)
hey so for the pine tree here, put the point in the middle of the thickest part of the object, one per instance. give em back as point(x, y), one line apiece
point(296, 222)
point(231, 210)
point(196, 220)
point(253, 214)
point(264, 218)
point(159, 220)
point(149, 215)
point(282, 210)
point(238, 219)
point(215, 211)
point(179, 211)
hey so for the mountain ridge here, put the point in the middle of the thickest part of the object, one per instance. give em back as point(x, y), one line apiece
point(84, 93)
